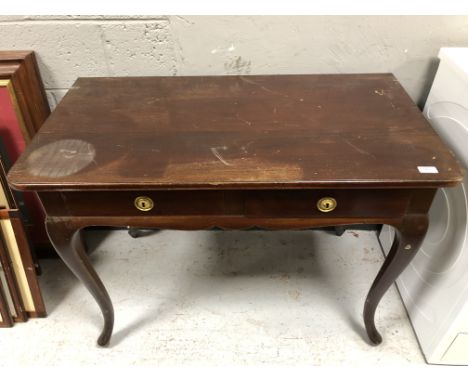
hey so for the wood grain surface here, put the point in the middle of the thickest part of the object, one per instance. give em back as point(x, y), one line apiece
point(281, 131)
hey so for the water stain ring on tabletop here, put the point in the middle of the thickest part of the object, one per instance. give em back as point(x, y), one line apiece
point(61, 158)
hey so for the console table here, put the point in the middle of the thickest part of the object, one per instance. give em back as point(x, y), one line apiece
point(235, 152)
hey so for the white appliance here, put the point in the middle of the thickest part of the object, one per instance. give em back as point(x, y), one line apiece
point(434, 287)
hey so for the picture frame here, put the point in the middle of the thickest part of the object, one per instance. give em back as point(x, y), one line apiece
point(6, 320)
point(16, 245)
point(6, 305)
point(20, 71)
point(23, 110)
point(12, 300)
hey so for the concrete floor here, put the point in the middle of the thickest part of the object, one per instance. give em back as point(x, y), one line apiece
point(218, 298)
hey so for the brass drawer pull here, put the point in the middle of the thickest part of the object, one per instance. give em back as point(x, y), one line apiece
point(326, 204)
point(144, 203)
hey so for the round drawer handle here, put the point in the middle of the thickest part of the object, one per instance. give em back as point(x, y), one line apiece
point(326, 204)
point(144, 203)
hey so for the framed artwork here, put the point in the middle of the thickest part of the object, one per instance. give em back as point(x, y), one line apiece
point(21, 296)
point(23, 110)
point(13, 130)
point(6, 320)
point(15, 244)
point(12, 301)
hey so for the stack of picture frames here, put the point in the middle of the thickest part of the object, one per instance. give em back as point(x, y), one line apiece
point(23, 109)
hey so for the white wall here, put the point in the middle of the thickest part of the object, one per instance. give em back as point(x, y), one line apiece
point(70, 47)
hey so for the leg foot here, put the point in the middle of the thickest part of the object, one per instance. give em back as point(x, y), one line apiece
point(340, 230)
point(408, 238)
point(134, 232)
point(68, 243)
point(139, 232)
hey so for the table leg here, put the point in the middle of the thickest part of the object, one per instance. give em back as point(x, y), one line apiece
point(133, 232)
point(67, 241)
point(408, 238)
point(340, 230)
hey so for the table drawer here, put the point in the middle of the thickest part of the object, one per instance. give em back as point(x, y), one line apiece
point(125, 203)
point(259, 203)
point(327, 203)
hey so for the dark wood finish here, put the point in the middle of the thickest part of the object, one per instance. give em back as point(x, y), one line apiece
point(235, 153)
point(410, 233)
point(275, 203)
point(327, 131)
point(21, 68)
point(68, 243)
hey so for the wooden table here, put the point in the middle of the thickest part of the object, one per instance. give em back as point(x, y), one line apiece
point(235, 152)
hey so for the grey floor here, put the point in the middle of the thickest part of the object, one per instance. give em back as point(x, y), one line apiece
point(218, 298)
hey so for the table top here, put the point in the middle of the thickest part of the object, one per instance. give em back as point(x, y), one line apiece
point(232, 132)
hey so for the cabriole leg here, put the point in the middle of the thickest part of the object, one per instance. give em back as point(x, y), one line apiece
point(408, 238)
point(67, 241)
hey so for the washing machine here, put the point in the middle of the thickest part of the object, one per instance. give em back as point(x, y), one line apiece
point(434, 287)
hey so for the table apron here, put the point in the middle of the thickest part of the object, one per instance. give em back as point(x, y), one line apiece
point(367, 205)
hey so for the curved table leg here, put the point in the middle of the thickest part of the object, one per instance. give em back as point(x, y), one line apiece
point(408, 238)
point(66, 239)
